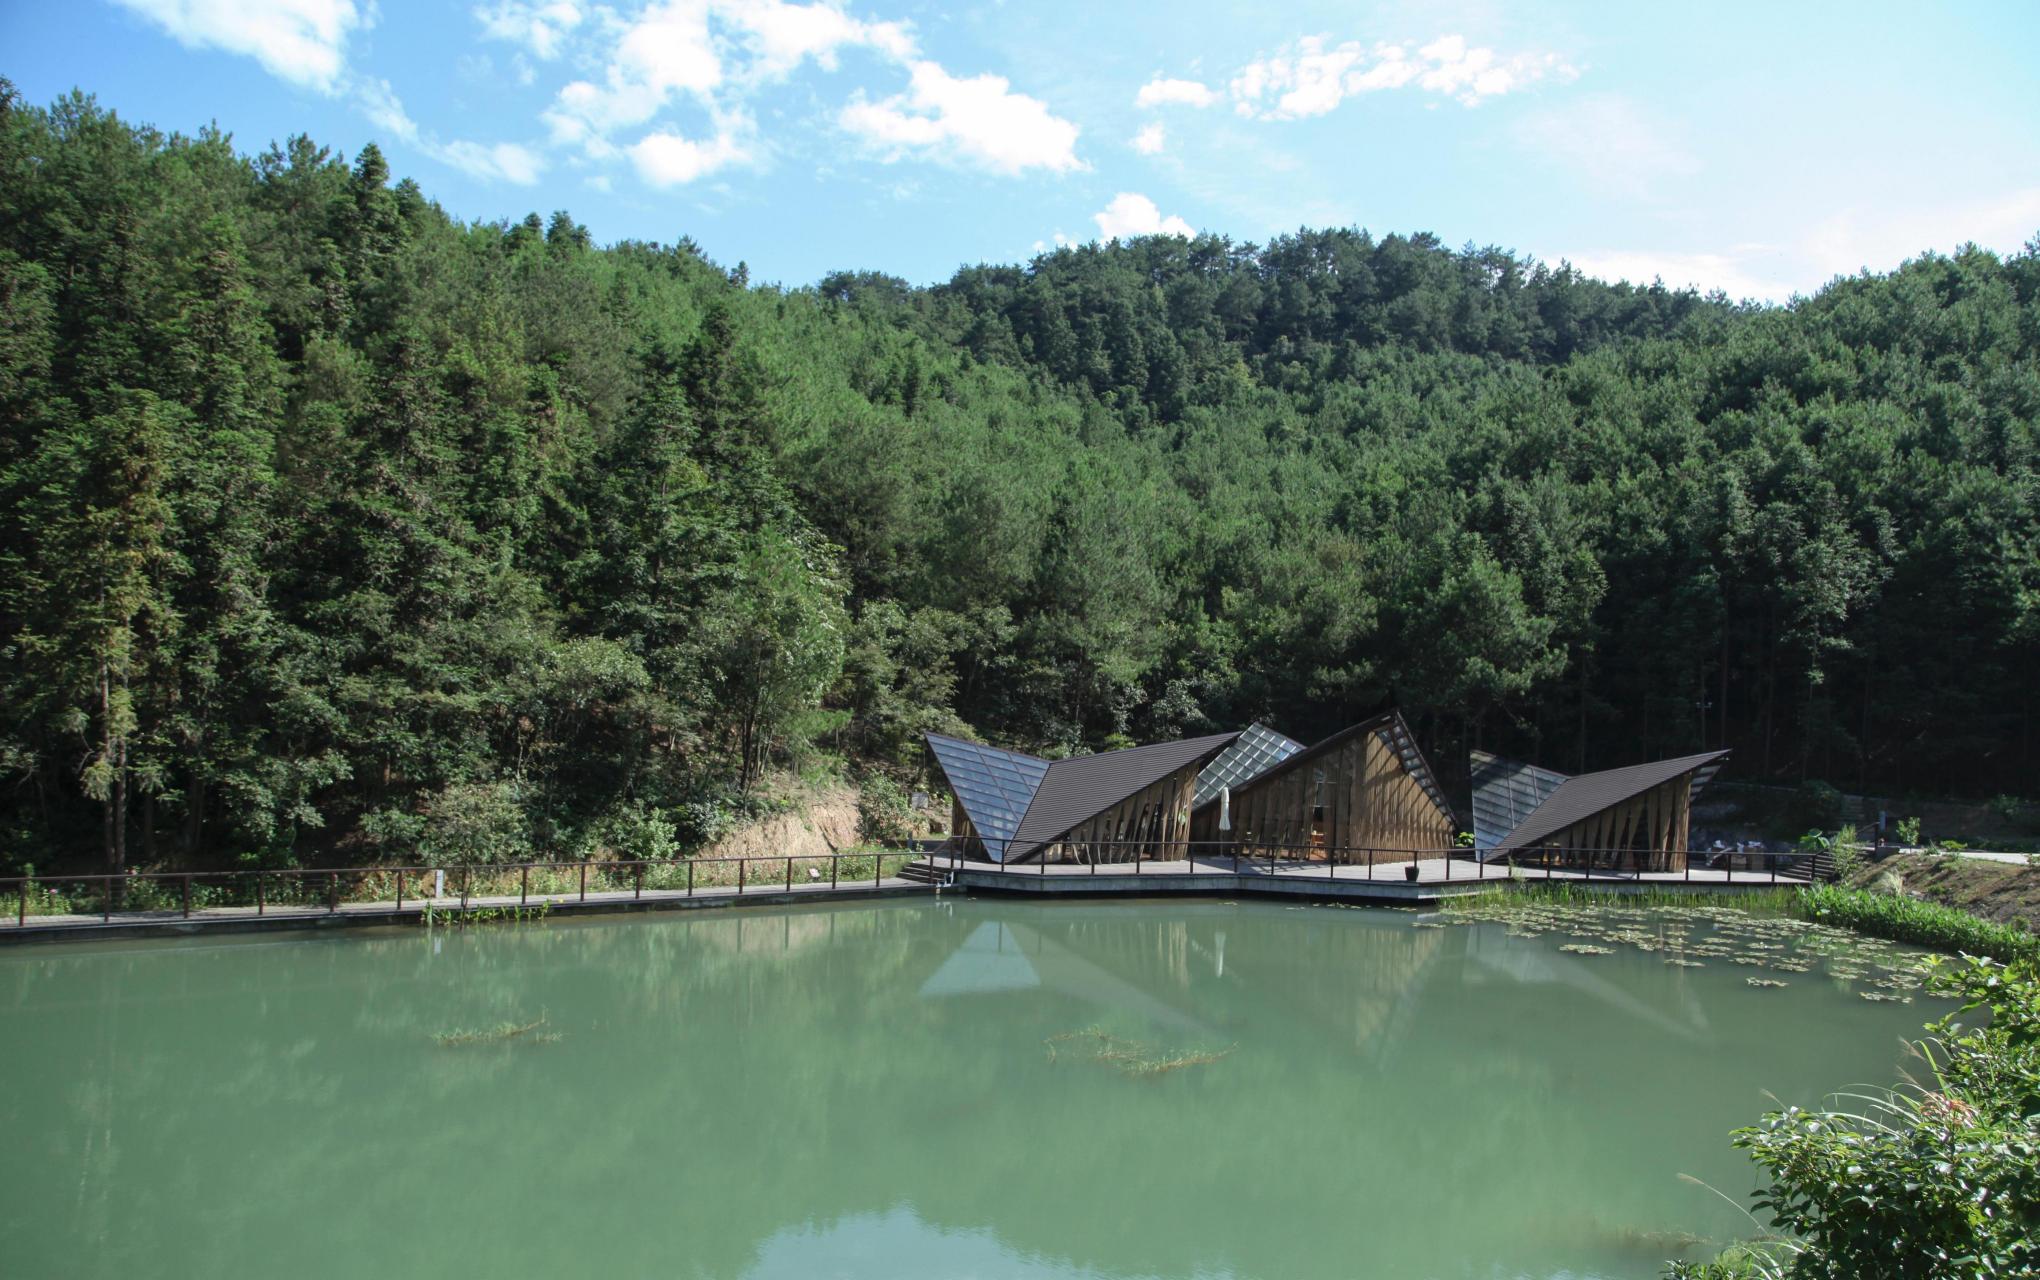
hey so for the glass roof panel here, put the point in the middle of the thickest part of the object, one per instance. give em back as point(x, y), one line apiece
point(1253, 753)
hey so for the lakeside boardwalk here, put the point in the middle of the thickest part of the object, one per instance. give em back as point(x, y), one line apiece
point(1437, 877)
point(1215, 875)
point(240, 919)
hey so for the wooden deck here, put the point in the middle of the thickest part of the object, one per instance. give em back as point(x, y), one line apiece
point(1436, 878)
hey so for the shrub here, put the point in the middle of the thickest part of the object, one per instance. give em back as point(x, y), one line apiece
point(470, 822)
point(639, 833)
point(1816, 804)
point(883, 815)
point(1929, 1182)
point(1909, 832)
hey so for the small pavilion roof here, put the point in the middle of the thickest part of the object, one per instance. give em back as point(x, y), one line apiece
point(1082, 786)
point(1018, 802)
point(1580, 798)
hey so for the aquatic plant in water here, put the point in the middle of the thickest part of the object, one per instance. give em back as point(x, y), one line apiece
point(1131, 1057)
point(533, 1032)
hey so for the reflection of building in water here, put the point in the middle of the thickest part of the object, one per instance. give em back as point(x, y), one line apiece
point(1003, 956)
point(1364, 987)
point(1496, 957)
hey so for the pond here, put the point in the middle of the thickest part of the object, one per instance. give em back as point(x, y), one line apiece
point(922, 1089)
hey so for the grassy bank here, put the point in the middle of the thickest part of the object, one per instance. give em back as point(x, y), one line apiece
point(1923, 923)
point(1892, 917)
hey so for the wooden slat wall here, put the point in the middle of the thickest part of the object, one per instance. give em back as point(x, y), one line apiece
point(1373, 810)
point(1152, 823)
point(1648, 832)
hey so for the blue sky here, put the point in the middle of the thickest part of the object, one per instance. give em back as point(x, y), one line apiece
point(1759, 148)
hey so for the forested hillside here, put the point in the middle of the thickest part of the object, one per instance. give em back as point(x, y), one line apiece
point(333, 528)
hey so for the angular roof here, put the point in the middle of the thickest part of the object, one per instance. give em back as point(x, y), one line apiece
point(993, 786)
point(1505, 792)
point(1395, 735)
point(1018, 803)
point(1255, 751)
point(1081, 786)
point(1578, 799)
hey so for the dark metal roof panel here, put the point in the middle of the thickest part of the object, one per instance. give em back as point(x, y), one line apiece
point(1256, 750)
point(994, 786)
point(1505, 793)
point(1581, 798)
point(1083, 786)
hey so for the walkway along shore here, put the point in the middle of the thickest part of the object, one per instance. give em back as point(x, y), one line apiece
point(768, 881)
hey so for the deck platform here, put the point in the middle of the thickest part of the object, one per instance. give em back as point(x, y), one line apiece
point(1221, 875)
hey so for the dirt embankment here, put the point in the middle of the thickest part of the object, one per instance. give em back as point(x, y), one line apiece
point(1993, 890)
point(817, 828)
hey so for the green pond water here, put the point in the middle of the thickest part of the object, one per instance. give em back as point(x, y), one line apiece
point(911, 1089)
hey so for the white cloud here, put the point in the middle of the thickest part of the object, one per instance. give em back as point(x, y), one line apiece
point(1862, 237)
point(713, 52)
point(542, 28)
point(666, 49)
point(1159, 92)
point(1881, 236)
point(668, 159)
point(509, 161)
point(977, 120)
point(302, 41)
point(1608, 139)
point(783, 35)
point(1151, 139)
point(1311, 77)
point(1741, 272)
point(1131, 214)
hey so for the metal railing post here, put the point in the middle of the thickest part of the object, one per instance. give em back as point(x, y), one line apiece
point(690, 877)
point(259, 906)
point(584, 879)
point(835, 865)
point(465, 873)
point(878, 869)
point(21, 908)
point(524, 884)
point(187, 895)
point(332, 892)
point(638, 889)
point(400, 888)
point(789, 875)
point(741, 865)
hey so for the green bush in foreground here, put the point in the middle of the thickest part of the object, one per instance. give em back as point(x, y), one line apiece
point(1928, 924)
point(1931, 1181)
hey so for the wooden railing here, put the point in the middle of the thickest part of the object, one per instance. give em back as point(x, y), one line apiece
point(330, 890)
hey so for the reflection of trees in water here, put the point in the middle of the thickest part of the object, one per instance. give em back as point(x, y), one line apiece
point(722, 1076)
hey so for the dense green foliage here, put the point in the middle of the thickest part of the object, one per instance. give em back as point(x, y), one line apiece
point(1939, 1181)
point(334, 527)
point(1914, 920)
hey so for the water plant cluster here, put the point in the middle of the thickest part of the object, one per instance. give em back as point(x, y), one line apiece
point(1135, 1058)
point(533, 1032)
point(1698, 934)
